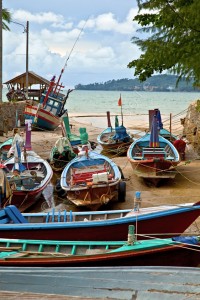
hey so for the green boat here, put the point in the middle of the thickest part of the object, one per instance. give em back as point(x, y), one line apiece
point(179, 251)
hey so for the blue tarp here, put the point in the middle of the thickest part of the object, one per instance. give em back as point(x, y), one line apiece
point(192, 240)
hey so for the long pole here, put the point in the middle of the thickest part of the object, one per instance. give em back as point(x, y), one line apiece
point(27, 54)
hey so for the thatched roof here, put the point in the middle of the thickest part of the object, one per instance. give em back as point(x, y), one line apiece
point(33, 78)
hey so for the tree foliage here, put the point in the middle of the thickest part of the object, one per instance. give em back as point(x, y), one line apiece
point(6, 18)
point(171, 30)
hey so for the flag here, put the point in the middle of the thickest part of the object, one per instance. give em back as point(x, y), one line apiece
point(120, 101)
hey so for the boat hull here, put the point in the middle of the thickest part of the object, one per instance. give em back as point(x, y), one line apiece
point(153, 163)
point(119, 148)
point(177, 256)
point(41, 118)
point(154, 170)
point(24, 197)
point(77, 180)
point(112, 146)
point(94, 197)
point(164, 224)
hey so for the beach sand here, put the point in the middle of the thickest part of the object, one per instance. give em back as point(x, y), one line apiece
point(184, 188)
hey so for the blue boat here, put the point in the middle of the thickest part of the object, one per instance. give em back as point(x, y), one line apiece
point(46, 115)
point(114, 140)
point(153, 157)
point(92, 179)
point(109, 225)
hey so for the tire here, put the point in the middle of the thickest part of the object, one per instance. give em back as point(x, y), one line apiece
point(122, 174)
point(122, 191)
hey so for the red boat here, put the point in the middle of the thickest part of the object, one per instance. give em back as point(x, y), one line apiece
point(160, 221)
point(33, 175)
point(33, 180)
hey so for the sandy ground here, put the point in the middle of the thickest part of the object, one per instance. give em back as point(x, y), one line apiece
point(184, 188)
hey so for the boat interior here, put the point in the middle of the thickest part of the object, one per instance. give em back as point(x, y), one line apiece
point(140, 152)
point(95, 171)
point(29, 179)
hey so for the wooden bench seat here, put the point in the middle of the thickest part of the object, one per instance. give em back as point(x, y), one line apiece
point(86, 176)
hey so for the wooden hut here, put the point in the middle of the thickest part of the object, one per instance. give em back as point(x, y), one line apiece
point(17, 86)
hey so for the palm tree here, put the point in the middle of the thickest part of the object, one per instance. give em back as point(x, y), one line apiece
point(5, 16)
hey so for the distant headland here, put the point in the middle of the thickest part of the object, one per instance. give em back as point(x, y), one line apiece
point(157, 83)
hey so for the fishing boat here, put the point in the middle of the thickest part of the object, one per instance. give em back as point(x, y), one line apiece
point(109, 225)
point(95, 283)
point(67, 147)
point(178, 251)
point(92, 180)
point(33, 174)
point(46, 115)
point(153, 157)
point(114, 140)
point(61, 154)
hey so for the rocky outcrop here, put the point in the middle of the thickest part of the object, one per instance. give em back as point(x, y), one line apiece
point(191, 125)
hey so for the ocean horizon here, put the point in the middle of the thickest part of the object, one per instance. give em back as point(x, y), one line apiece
point(91, 106)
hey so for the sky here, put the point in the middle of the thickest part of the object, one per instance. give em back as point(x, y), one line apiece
point(91, 39)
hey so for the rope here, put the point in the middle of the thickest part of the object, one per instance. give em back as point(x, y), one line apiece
point(176, 243)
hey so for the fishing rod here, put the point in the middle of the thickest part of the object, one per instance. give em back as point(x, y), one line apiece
point(62, 71)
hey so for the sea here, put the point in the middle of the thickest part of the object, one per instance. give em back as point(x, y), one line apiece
point(90, 107)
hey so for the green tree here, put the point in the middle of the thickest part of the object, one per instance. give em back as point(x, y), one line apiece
point(171, 39)
point(6, 19)
point(5, 16)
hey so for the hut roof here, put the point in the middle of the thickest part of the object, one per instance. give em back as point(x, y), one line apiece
point(33, 78)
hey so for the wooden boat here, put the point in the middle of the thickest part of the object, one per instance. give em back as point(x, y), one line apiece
point(4, 148)
point(61, 154)
point(98, 225)
point(33, 180)
point(95, 283)
point(153, 157)
point(67, 147)
point(92, 180)
point(179, 251)
point(46, 115)
point(114, 140)
point(35, 175)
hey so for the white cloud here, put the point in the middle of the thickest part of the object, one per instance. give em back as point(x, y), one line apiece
point(95, 53)
point(40, 18)
point(108, 22)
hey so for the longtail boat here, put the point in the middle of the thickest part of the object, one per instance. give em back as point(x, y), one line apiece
point(46, 115)
point(114, 140)
point(67, 147)
point(179, 251)
point(34, 174)
point(95, 283)
point(109, 225)
point(153, 157)
point(91, 180)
